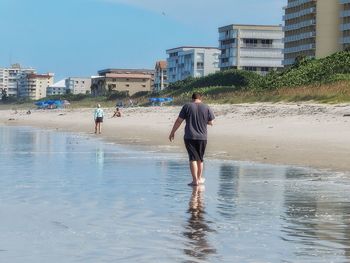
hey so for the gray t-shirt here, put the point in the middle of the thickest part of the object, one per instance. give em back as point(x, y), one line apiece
point(197, 116)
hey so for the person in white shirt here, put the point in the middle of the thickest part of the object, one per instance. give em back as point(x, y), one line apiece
point(98, 117)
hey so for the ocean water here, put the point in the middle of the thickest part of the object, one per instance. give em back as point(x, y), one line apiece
point(70, 198)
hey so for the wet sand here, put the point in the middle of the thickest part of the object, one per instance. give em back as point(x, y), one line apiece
point(67, 197)
point(305, 134)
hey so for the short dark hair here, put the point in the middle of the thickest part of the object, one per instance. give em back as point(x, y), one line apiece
point(196, 96)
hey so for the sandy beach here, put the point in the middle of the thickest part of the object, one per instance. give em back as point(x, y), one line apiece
point(310, 135)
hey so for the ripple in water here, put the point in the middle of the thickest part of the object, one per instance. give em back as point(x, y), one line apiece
point(69, 198)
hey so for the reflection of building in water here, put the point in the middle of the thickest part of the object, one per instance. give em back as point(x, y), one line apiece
point(242, 185)
point(317, 222)
point(100, 157)
point(198, 228)
point(228, 188)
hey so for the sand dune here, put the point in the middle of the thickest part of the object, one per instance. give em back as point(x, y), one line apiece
point(305, 135)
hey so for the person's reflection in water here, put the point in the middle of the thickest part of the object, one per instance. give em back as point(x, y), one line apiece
point(197, 229)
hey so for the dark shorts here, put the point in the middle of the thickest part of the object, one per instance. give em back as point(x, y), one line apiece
point(195, 149)
point(99, 119)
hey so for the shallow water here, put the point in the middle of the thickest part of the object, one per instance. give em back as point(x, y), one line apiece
point(70, 198)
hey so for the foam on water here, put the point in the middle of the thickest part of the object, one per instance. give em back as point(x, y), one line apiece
point(70, 198)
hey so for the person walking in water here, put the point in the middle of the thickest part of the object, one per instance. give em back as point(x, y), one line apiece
point(197, 116)
point(98, 117)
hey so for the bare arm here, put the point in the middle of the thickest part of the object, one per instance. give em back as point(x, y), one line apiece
point(211, 123)
point(177, 124)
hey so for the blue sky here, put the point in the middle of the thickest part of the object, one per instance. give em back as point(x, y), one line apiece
point(79, 37)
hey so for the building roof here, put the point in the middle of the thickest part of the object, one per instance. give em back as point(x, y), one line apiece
point(162, 64)
point(192, 47)
point(39, 76)
point(128, 76)
point(125, 71)
point(250, 26)
point(59, 84)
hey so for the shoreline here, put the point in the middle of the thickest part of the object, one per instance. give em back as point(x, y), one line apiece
point(308, 135)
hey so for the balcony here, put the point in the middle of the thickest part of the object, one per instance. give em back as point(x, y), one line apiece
point(345, 40)
point(344, 27)
point(300, 25)
point(298, 3)
point(301, 13)
point(299, 37)
point(261, 54)
point(262, 46)
point(345, 13)
point(299, 48)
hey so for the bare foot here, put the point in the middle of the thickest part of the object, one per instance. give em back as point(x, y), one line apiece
point(202, 180)
point(193, 184)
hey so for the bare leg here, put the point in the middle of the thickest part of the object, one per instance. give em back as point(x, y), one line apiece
point(200, 178)
point(194, 171)
point(95, 127)
point(99, 127)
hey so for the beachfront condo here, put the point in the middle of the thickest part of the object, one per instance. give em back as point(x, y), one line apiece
point(34, 86)
point(78, 85)
point(315, 28)
point(122, 80)
point(257, 48)
point(9, 78)
point(188, 61)
point(160, 76)
point(58, 88)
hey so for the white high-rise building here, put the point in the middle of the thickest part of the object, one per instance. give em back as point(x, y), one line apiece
point(9, 78)
point(256, 48)
point(188, 61)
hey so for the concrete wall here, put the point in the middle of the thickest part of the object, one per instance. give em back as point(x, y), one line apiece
point(327, 28)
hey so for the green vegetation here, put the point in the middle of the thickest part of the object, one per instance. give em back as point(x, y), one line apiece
point(325, 80)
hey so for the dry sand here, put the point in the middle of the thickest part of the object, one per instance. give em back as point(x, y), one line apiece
point(305, 135)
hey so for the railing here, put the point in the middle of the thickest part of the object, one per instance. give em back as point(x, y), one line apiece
point(306, 23)
point(345, 40)
point(299, 37)
point(345, 13)
point(311, 10)
point(297, 3)
point(344, 27)
point(299, 48)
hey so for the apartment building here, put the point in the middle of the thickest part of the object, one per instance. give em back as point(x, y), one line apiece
point(128, 80)
point(189, 61)
point(160, 76)
point(345, 23)
point(58, 88)
point(256, 48)
point(9, 78)
point(78, 85)
point(315, 28)
point(34, 86)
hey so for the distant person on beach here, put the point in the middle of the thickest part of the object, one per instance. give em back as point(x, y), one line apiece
point(98, 116)
point(197, 116)
point(117, 113)
point(29, 112)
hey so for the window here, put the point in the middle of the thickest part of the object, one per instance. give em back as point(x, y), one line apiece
point(127, 85)
point(200, 65)
point(143, 86)
point(224, 60)
point(228, 41)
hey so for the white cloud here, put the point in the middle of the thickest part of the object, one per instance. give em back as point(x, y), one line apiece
point(213, 12)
